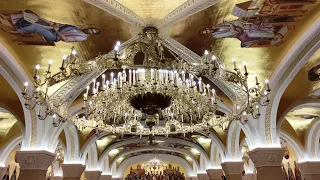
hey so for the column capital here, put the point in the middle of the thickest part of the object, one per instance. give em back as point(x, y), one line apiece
point(214, 174)
point(72, 170)
point(92, 175)
point(232, 167)
point(34, 160)
point(105, 177)
point(203, 176)
point(250, 176)
point(310, 167)
point(266, 156)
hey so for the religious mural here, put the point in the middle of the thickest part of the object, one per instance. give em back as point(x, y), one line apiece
point(31, 29)
point(261, 25)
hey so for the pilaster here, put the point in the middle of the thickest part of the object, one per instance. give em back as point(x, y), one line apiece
point(267, 161)
point(214, 174)
point(105, 177)
point(233, 170)
point(92, 175)
point(34, 164)
point(72, 171)
point(310, 170)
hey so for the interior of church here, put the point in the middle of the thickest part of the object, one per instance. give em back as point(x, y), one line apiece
point(160, 89)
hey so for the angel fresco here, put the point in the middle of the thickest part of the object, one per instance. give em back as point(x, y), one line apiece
point(28, 26)
point(261, 25)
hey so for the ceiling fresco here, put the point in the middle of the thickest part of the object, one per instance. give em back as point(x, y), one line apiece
point(37, 31)
point(225, 30)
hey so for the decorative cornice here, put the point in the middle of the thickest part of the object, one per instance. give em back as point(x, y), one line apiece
point(117, 9)
point(184, 11)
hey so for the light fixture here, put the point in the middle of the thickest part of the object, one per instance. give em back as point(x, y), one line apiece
point(162, 96)
point(154, 164)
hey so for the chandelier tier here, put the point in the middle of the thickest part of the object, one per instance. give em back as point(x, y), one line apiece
point(168, 102)
point(146, 92)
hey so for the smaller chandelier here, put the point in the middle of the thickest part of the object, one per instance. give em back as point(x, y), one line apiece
point(154, 164)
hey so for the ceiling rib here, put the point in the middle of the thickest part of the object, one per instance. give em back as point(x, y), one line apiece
point(184, 11)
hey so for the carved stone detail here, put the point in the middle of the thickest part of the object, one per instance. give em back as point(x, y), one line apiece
point(34, 160)
point(214, 174)
point(73, 170)
point(266, 156)
point(203, 176)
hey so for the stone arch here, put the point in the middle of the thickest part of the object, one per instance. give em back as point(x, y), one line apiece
point(295, 145)
point(181, 151)
point(104, 155)
point(312, 141)
point(290, 65)
point(92, 162)
point(304, 103)
point(233, 140)
point(72, 155)
point(8, 148)
point(146, 157)
point(15, 75)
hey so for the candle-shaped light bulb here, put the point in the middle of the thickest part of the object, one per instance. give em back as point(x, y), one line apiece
point(37, 69)
point(234, 64)
point(256, 78)
point(88, 87)
point(54, 116)
point(118, 43)
point(213, 57)
point(73, 52)
point(206, 52)
point(49, 65)
point(25, 87)
point(245, 68)
point(64, 58)
point(267, 84)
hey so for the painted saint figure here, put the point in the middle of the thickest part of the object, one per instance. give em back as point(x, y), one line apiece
point(247, 33)
point(28, 22)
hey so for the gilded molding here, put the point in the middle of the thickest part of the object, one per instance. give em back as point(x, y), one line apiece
point(187, 9)
point(33, 142)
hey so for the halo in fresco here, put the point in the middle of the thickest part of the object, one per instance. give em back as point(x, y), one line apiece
point(31, 29)
point(262, 25)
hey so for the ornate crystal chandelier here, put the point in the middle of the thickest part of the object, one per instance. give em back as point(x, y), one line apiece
point(154, 164)
point(160, 95)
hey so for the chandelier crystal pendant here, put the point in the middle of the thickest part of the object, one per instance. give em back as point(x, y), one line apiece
point(161, 95)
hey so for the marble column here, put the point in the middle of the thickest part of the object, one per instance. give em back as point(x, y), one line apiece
point(203, 176)
point(72, 171)
point(2, 171)
point(214, 174)
point(92, 175)
point(310, 170)
point(57, 178)
point(34, 164)
point(250, 176)
point(105, 177)
point(233, 170)
point(267, 162)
